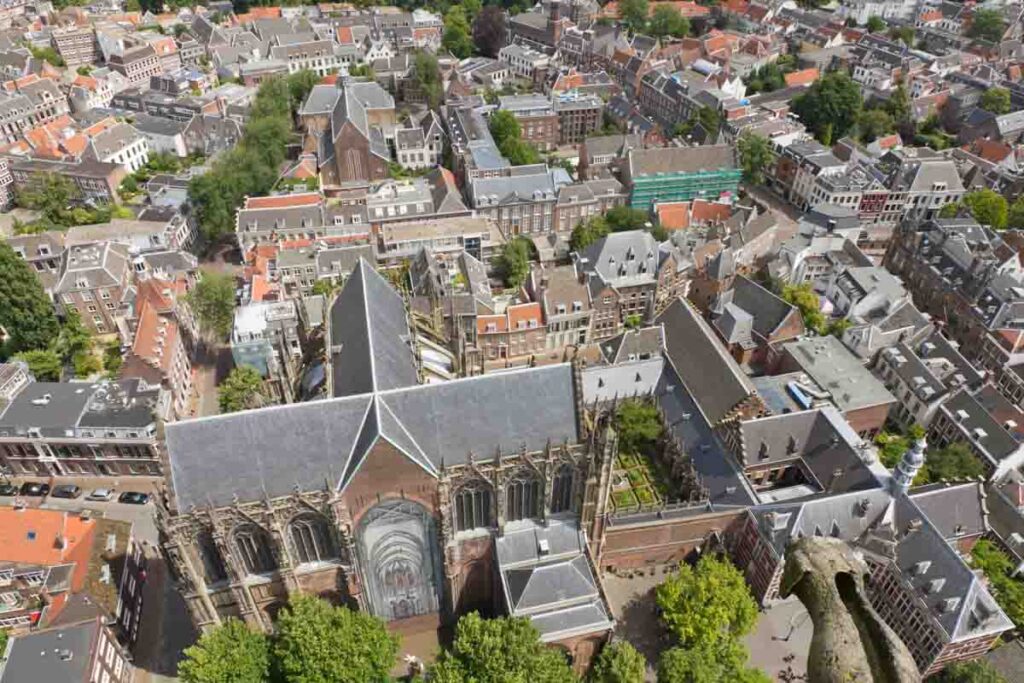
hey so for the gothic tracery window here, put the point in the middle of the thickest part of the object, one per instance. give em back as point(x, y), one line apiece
point(522, 497)
point(209, 554)
point(561, 489)
point(311, 539)
point(253, 547)
point(473, 506)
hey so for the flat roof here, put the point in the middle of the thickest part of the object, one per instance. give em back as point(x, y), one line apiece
point(836, 370)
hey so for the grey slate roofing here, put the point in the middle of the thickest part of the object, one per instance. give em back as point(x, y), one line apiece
point(369, 336)
point(965, 410)
point(321, 100)
point(42, 655)
point(59, 409)
point(680, 159)
point(955, 510)
point(767, 310)
point(634, 344)
point(271, 451)
point(556, 590)
point(623, 380)
point(712, 377)
point(623, 259)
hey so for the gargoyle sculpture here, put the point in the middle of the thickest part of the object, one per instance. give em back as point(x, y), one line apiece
point(851, 643)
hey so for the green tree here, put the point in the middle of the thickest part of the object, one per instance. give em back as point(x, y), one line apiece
point(73, 338)
point(622, 218)
point(457, 38)
point(987, 24)
point(988, 208)
point(326, 287)
point(51, 195)
point(726, 662)
point(427, 74)
point(874, 123)
point(112, 359)
point(86, 364)
point(633, 14)
point(317, 642)
point(229, 653)
point(505, 649)
point(300, 84)
point(619, 662)
point(212, 301)
point(951, 210)
point(755, 156)
point(875, 24)
point(1015, 214)
point(587, 232)
point(638, 425)
point(974, 671)
point(996, 100)
point(892, 445)
point(899, 106)
point(668, 21)
point(707, 605)
point(48, 54)
point(45, 365)
point(1006, 589)
point(952, 463)
point(513, 263)
point(508, 137)
point(242, 389)
point(26, 313)
point(803, 297)
point(903, 33)
point(830, 107)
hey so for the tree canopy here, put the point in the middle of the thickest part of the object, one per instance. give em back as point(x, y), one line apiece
point(212, 301)
point(638, 425)
point(251, 167)
point(587, 232)
point(997, 566)
point(706, 605)
point(633, 14)
point(988, 208)
point(457, 37)
point(242, 389)
point(504, 649)
point(26, 313)
point(874, 123)
point(513, 263)
point(708, 665)
point(317, 642)
point(427, 74)
point(666, 20)
point(955, 462)
point(507, 135)
point(996, 100)
point(489, 30)
point(987, 24)
point(974, 671)
point(755, 156)
point(830, 107)
point(45, 365)
point(803, 297)
point(229, 653)
point(619, 662)
point(875, 24)
point(892, 445)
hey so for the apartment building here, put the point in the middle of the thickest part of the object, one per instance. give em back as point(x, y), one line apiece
point(137, 63)
point(76, 45)
point(538, 122)
point(579, 116)
point(94, 279)
point(74, 428)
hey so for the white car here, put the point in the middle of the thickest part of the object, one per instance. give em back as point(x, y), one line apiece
point(101, 495)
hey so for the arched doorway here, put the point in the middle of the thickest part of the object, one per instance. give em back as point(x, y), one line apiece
point(399, 560)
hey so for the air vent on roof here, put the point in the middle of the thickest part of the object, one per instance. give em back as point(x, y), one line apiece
point(43, 400)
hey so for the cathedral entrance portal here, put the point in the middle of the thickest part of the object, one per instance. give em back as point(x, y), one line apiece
point(399, 560)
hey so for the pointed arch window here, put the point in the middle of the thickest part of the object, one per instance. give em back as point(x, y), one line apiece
point(522, 497)
point(473, 506)
point(311, 539)
point(253, 547)
point(561, 489)
point(209, 554)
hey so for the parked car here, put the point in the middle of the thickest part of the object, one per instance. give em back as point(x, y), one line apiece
point(66, 491)
point(8, 490)
point(34, 489)
point(133, 498)
point(102, 495)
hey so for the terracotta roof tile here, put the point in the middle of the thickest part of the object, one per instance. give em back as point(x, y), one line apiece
point(802, 77)
point(283, 201)
point(674, 215)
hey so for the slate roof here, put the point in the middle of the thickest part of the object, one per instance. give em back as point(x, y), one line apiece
point(767, 310)
point(369, 336)
point(712, 377)
point(643, 162)
point(38, 656)
point(271, 451)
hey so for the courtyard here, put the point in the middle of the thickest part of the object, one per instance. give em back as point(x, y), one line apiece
point(778, 645)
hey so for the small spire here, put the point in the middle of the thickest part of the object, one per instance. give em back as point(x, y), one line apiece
point(908, 467)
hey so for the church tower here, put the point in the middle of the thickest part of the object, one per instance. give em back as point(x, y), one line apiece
point(906, 470)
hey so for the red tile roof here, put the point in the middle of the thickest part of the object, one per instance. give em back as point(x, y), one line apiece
point(802, 77)
point(674, 215)
point(283, 201)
